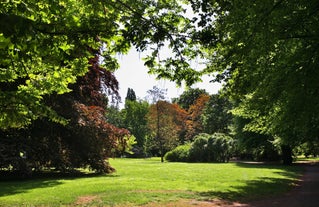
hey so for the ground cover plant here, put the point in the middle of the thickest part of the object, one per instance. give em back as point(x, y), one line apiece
point(142, 181)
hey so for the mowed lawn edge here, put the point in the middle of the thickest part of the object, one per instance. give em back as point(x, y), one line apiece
point(141, 181)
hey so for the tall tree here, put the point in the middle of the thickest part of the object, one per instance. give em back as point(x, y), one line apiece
point(135, 120)
point(195, 111)
point(266, 52)
point(216, 116)
point(188, 97)
point(180, 117)
point(164, 130)
point(253, 145)
point(157, 95)
point(44, 46)
point(86, 141)
point(130, 95)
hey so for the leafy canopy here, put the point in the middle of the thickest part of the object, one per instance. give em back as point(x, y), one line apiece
point(44, 47)
point(266, 53)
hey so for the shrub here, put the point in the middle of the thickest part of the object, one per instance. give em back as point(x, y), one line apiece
point(198, 149)
point(219, 147)
point(179, 154)
point(205, 148)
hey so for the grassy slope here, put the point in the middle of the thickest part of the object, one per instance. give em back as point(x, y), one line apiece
point(139, 181)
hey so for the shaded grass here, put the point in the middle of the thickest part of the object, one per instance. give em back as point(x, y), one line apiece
point(141, 181)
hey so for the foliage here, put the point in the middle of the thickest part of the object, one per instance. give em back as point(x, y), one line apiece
point(180, 117)
point(179, 154)
point(189, 97)
point(211, 148)
point(114, 116)
point(194, 122)
point(310, 148)
point(130, 96)
point(125, 144)
point(198, 150)
point(159, 184)
point(156, 94)
point(266, 54)
point(163, 130)
point(252, 145)
point(86, 141)
point(218, 147)
point(95, 138)
point(44, 47)
point(216, 116)
point(134, 117)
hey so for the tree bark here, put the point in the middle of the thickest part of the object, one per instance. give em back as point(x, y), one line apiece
point(286, 154)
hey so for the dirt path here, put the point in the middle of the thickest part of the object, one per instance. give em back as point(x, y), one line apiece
point(305, 195)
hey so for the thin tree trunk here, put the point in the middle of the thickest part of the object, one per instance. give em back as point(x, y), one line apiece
point(159, 138)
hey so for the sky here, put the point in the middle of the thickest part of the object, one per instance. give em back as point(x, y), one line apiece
point(133, 74)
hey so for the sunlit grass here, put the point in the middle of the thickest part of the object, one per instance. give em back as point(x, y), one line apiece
point(140, 181)
point(307, 159)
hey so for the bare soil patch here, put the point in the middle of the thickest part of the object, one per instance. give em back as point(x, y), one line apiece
point(196, 203)
point(84, 200)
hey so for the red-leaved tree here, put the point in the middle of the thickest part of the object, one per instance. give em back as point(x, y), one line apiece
point(194, 125)
point(87, 140)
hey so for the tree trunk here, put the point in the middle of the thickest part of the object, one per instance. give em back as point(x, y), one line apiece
point(286, 154)
point(159, 137)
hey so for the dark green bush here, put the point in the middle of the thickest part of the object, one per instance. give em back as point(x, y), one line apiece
point(205, 148)
point(198, 149)
point(219, 147)
point(179, 154)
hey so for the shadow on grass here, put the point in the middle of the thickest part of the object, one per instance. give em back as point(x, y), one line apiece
point(261, 187)
point(11, 184)
point(289, 171)
point(252, 190)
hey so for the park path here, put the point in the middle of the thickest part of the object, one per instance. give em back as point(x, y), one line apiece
point(306, 194)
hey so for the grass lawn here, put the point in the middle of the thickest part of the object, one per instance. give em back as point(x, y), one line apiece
point(141, 181)
point(309, 159)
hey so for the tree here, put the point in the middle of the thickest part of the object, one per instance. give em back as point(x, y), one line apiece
point(194, 122)
point(163, 130)
point(180, 117)
point(253, 145)
point(156, 94)
point(216, 116)
point(115, 116)
point(154, 118)
point(130, 95)
point(86, 141)
point(188, 97)
point(44, 46)
point(135, 120)
point(43, 52)
point(266, 54)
